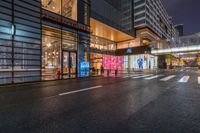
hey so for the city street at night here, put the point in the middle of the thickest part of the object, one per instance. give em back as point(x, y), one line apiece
point(99, 66)
point(162, 101)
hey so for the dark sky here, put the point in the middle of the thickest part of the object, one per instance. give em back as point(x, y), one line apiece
point(186, 12)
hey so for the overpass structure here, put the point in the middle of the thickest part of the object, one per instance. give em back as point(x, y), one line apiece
point(184, 44)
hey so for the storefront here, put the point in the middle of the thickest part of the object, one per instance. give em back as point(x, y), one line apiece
point(59, 54)
point(65, 39)
point(44, 40)
point(137, 58)
point(139, 62)
point(101, 50)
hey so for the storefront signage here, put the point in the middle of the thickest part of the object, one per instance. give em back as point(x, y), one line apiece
point(129, 51)
point(65, 21)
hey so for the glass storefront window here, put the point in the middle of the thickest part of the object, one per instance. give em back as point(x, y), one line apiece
point(68, 8)
point(102, 44)
point(52, 5)
point(50, 57)
point(86, 14)
point(58, 53)
point(69, 41)
point(139, 62)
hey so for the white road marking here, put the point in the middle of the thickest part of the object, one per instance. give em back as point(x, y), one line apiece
point(198, 80)
point(132, 76)
point(142, 76)
point(154, 77)
point(168, 78)
point(184, 79)
point(81, 90)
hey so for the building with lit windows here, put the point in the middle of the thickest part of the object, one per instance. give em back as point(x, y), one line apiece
point(151, 24)
point(152, 15)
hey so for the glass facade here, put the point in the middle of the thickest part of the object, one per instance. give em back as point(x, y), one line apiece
point(59, 48)
point(101, 44)
point(135, 62)
point(34, 47)
point(66, 8)
point(20, 41)
point(51, 52)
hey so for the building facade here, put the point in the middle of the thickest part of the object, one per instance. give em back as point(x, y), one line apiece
point(43, 40)
point(153, 15)
point(109, 25)
point(62, 39)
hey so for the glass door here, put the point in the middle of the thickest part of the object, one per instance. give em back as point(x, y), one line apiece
point(69, 65)
point(65, 65)
point(72, 59)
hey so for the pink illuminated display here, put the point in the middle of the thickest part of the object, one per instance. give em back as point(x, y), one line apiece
point(112, 62)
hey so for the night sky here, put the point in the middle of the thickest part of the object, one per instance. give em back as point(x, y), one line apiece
point(186, 12)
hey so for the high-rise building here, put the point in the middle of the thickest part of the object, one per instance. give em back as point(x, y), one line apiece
point(152, 17)
point(179, 28)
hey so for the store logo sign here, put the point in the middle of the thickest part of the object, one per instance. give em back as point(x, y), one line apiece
point(129, 51)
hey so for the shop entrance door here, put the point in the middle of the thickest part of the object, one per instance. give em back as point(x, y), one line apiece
point(69, 65)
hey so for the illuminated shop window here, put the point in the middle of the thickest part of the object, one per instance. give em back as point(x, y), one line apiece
point(52, 5)
point(102, 44)
point(57, 55)
point(68, 8)
point(51, 53)
point(69, 41)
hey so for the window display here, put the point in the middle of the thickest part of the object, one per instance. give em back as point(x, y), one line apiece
point(139, 62)
point(102, 44)
point(51, 49)
point(55, 64)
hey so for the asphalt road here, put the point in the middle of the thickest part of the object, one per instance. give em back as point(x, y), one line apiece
point(153, 102)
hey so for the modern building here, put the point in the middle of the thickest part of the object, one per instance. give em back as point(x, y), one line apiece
point(179, 28)
point(43, 40)
point(152, 24)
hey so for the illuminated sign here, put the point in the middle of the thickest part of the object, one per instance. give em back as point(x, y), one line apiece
point(85, 65)
point(129, 51)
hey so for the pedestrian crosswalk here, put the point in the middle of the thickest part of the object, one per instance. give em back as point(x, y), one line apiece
point(154, 77)
point(168, 78)
point(184, 79)
point(142, 76)
point(198, 80)
point(165, 78)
